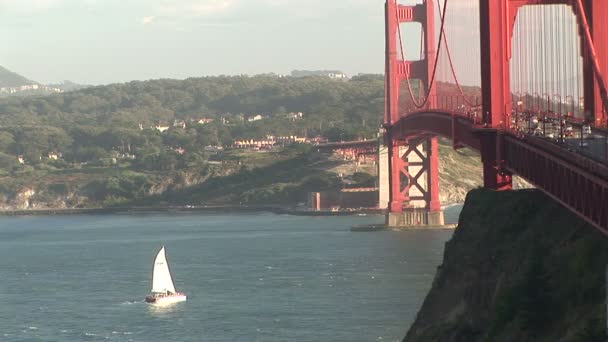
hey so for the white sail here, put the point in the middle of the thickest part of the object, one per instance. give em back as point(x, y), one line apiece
point(161, 277)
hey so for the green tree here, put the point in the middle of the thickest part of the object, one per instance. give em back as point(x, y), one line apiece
point(6, 141)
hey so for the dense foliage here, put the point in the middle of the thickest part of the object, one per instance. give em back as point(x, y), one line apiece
point(86, 125)
point(105, 138)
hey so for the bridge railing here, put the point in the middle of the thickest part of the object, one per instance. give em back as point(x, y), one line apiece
point(567, 132)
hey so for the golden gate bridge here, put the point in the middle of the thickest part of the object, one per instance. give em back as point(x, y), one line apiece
point(488, 74)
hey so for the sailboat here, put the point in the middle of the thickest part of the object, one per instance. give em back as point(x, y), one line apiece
point(163, 290)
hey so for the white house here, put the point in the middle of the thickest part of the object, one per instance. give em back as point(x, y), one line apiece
point(179, 123)
point(161, 128)
point(256, 117)
point(337, 76)
point(204, 121)
point(295, 116)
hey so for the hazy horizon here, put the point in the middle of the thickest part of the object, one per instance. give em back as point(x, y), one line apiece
point(100, 42)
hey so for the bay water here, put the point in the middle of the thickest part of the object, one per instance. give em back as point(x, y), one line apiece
point(248, 277)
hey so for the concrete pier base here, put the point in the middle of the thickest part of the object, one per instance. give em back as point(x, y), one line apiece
point(415, 218)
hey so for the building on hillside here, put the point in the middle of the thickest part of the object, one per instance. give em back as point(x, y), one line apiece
point(28, 87)
point(333, 74)
point(269, 142)
point(204, 121)
point(179, 123)
point(318, 140)
point(53, 89)
point(161, 128)
point(287, 140)
point(54, 156)
point(295, 116)
point(254, 144)
point(256, 117)
point(122, 156)
point(20, 159)
point(179, 150)
point(337, 75)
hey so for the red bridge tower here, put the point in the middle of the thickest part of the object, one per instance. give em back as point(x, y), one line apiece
point(414, 162)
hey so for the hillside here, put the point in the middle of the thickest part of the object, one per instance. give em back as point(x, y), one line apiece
point(127, 143)
point(11, 79)
point(519, 268)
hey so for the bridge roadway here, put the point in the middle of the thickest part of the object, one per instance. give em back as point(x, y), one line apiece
point(594, 145)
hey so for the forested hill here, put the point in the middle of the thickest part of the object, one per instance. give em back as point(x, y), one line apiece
point(11, 79)
point(336, 108)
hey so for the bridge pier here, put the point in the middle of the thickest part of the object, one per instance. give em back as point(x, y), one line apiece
point(415, 217)
point(413, 184)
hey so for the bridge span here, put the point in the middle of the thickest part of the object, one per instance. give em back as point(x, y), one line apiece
point(474, 88)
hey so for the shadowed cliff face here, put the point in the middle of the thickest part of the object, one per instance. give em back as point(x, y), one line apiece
point(519, 268)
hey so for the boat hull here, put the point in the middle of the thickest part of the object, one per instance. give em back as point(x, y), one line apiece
point(169, 299)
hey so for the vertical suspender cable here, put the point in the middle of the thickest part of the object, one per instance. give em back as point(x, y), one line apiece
point(449, 57)
point(530, 30)
point(432, 80)
point(566, 63)
point(517, 59)
point(560, 53)
point(563, 60)
point(551, 60)
point(525, 51)
point(543, 49)
point(578, 66)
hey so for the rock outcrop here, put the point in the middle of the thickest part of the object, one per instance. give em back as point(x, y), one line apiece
point(519, 267)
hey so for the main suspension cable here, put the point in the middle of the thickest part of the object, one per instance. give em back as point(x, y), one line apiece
point(432, 81)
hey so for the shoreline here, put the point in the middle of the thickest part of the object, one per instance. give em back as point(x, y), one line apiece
point(184, 210)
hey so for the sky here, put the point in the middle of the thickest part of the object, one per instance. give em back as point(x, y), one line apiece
point(108, 41)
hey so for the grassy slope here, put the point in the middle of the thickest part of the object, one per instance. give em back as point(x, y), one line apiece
point(459, 171)
point(277, 176)
point(269, 178)
point(519, 268)
point(243, 177)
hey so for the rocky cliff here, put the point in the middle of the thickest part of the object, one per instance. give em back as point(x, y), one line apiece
point(519, 268)
point(461, 171)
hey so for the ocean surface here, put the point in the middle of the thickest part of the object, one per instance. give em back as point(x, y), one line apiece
point(249, 277)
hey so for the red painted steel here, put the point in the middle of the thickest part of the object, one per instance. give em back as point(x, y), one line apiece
point(592, 18)
point(434, 204)
point(555, 172)
point(401, 181)
point(497, 18)
point(578, 182)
